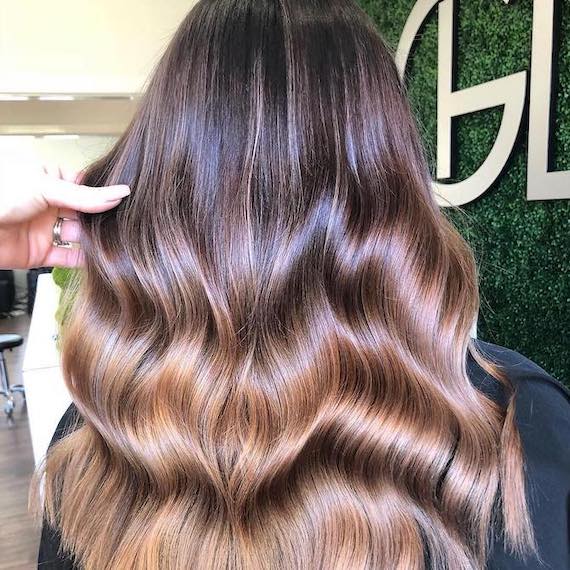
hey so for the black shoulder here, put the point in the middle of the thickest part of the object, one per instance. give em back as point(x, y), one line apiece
point(528, 378)
point(50, 556)
point(70, 421)
point(542, 402)
point(542, 412)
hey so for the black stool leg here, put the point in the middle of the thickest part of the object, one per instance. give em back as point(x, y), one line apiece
point(5, 391)
point(16, 387)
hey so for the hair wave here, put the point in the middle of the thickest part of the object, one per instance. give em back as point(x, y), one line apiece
point(267, 344)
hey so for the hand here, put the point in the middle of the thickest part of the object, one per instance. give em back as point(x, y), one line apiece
point(31, 199)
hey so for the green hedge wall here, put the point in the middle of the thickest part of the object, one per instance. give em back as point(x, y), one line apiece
point(523, 248)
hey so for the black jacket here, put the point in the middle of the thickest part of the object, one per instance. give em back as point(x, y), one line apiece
point(543, 418)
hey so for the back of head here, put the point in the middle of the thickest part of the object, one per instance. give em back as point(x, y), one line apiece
point(268, 341)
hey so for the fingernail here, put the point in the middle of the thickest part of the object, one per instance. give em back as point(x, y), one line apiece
point(120, 190)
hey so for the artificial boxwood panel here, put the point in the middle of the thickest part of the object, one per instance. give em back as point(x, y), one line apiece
point(522, 247)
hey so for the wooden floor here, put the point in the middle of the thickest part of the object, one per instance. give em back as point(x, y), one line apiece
point(19, 536)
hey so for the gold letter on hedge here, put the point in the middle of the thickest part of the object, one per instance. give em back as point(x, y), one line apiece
point(506, 91)
point(542, 185)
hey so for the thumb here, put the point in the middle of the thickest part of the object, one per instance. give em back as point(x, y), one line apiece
point(67, 194)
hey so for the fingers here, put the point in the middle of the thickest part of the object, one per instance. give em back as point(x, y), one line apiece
point(52, 170)
point(64, 257)
point(62, 188)
point(71, 175)
point(63, 172)
point(65, 194)
point(70, 230)
point(68, 213)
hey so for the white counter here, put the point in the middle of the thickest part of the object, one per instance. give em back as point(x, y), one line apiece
point(47, 397)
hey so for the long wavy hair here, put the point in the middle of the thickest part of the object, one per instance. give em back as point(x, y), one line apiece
point(267, 344)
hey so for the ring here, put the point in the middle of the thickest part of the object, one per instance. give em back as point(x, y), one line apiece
point(56, 234)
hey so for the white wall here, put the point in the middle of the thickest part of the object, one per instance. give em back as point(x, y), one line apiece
point(83, 46)
point(73, 152)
